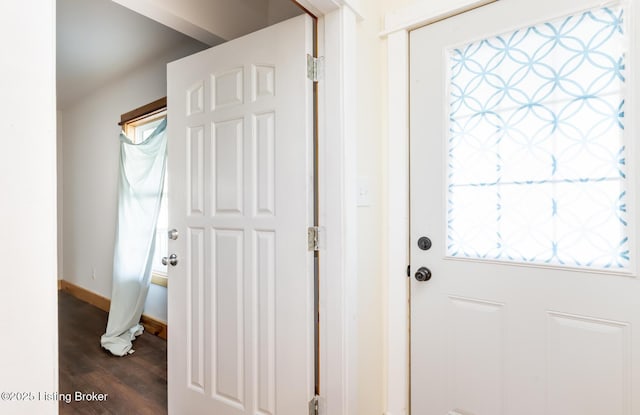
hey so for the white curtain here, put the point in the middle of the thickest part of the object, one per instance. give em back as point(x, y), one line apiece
point(142, 169)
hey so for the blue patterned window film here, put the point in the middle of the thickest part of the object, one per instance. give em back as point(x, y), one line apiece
point(536, 151)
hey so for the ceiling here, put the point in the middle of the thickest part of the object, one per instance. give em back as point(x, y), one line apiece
point(99, 40)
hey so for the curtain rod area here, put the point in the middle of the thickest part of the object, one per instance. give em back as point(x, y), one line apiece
point(143, 111)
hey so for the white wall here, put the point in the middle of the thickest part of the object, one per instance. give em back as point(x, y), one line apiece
point(28, 314)
point(370, 220)
point(59, 194)
point(91, 149)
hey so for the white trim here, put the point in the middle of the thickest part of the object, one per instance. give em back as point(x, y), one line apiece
point(424, 13)
point(337, 200)
point(396, 283)
point(28, 180)
point(323, 7)
point(398, 24)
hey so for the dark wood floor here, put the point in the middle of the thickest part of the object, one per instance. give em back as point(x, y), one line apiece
point(135, 384)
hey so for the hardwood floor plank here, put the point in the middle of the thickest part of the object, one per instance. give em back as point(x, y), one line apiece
point(135, 384)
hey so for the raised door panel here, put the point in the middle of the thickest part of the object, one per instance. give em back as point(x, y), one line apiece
point(241, 297)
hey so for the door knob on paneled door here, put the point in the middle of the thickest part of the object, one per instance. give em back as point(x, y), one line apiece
point(172, 260)
point(423, 274)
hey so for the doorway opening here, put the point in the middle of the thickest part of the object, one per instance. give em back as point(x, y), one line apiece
point(110, 59)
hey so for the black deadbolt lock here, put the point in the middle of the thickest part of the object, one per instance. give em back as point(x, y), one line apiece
point(424, 243)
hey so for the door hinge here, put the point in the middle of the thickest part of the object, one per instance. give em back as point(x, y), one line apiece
point(315, 238)
point(315, 68)
point(316, 406)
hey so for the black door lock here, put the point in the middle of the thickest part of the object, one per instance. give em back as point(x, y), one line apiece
point(424, 243)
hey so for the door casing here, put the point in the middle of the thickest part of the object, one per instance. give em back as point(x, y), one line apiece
point(398, 24)
point(337, 179)
point(337, 182)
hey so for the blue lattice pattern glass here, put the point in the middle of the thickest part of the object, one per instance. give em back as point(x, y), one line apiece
point(536, 150)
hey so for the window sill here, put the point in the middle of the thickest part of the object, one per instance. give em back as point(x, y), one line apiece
point(159, 279)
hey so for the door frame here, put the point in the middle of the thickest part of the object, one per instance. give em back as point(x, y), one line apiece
point(337, 181)
point(397, 26)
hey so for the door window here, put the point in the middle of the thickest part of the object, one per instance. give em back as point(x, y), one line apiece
point(536, 146)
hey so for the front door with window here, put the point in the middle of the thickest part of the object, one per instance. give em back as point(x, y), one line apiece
point(241, 336)
point(523, 177)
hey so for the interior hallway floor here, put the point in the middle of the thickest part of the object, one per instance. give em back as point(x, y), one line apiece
point(135, 384)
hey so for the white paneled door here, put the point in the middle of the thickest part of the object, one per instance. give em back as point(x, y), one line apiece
point(525, 297)
point(240, 186)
